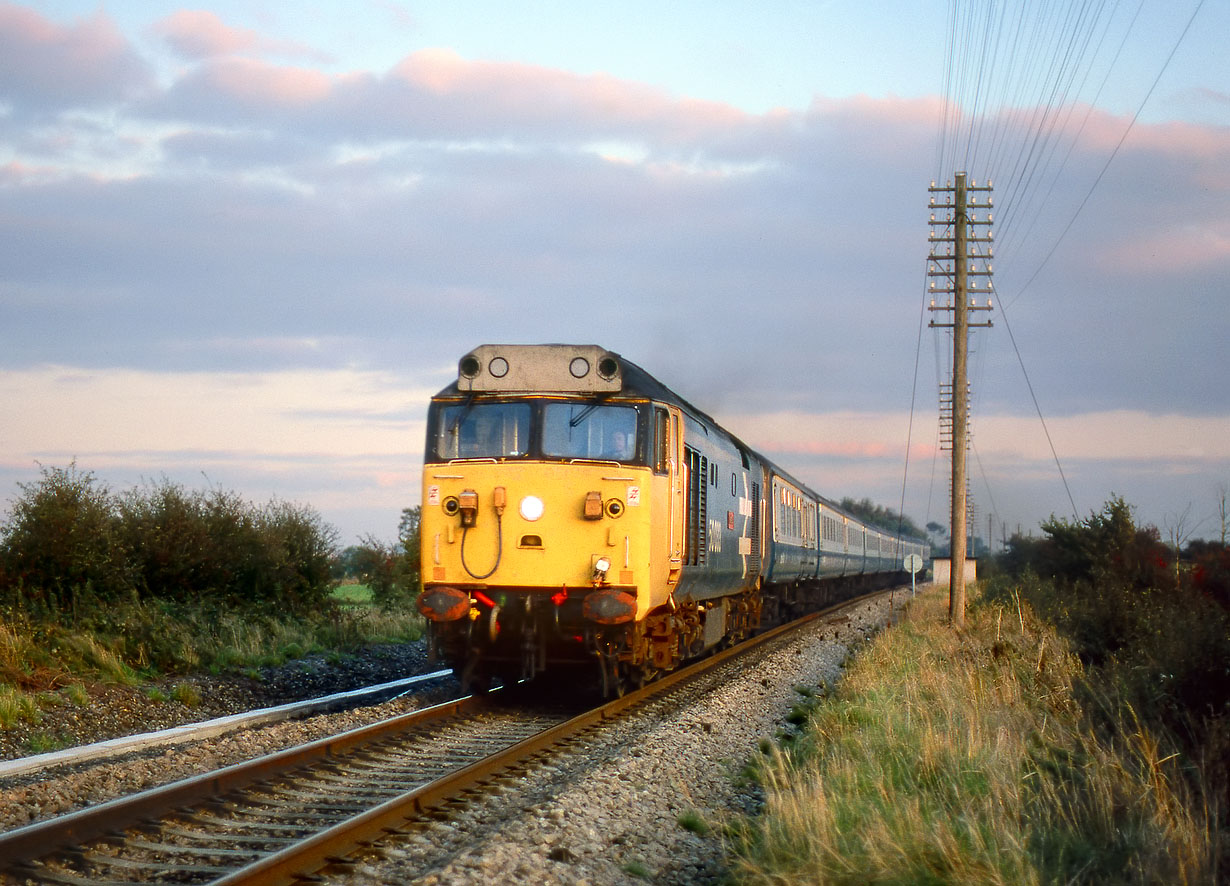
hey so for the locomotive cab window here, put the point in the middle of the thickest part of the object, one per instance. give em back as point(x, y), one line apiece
point(578, 429)
point(482, 430)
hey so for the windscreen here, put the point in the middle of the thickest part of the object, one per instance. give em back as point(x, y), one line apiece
point(483, 430)
point(589, 430)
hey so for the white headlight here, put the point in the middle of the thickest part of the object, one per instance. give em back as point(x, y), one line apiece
point(603, 565)
point(531, 508)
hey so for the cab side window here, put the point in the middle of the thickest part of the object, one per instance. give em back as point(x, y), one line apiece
point(661, 441)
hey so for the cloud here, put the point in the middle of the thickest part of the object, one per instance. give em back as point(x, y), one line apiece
point(436, 95)
point(200, 34)
point(348, 442)
point(253, 216)
point(45, 66)
point(238, 88)
point(1186, 247)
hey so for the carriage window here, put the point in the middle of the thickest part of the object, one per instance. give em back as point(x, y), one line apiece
point(589, 430)
point(486, 430)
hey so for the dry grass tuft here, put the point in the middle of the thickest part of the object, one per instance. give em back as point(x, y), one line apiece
point(960, 757)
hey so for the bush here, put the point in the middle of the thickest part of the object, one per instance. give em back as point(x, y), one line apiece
point(385, 569)
point(71, 550)
point(1159, 650)
point(62, 542)
point(299, 548)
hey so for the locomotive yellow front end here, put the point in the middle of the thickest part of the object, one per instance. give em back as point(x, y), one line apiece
point(538, 507)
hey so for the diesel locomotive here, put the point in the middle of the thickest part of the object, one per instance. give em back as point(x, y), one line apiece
point(577, 511)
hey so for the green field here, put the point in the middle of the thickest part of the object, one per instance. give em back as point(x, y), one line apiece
point(353, 594)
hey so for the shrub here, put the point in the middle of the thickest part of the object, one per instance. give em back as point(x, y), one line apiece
point(1161, 651)
point(62, 542)
point(71, 551)
point(384, 568)
point(299, 547)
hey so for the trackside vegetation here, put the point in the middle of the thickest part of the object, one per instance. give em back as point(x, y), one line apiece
point(98, 586)
point(1074, 731)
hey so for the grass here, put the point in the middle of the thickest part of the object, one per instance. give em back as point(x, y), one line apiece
point(637, 869)
point(186, 694)
point(693, 821)
point(950, 756)
point(43, 743)
point(130, 644)
point(17, 706)
point(353, 594)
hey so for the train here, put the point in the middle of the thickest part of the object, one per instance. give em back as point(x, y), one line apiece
point(577, 512)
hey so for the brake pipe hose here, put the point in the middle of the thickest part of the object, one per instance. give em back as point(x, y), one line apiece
point(499, 549)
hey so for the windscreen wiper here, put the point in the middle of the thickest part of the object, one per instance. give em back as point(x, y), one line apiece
point(582, 415)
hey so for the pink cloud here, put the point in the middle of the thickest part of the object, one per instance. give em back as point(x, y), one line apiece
point(1190, 248)
point(196, 33)
point(43, 62)
point(534, 92)
point(849, 448)
point(200, 34)
point(252, 82)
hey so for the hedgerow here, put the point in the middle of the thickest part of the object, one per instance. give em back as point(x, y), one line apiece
point(1155, 639)
point(71, 546)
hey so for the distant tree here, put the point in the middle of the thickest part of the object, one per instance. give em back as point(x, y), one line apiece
point(384, 568)
point(1105, 546)
point(1210, 569)
point(408, 534)
point(346, 563)
point(1023, 553)
point(1223, 510)
point(408, 526)
point(1179, 529)
point(882, 517)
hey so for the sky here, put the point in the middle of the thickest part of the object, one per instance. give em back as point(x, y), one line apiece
point(242, 244)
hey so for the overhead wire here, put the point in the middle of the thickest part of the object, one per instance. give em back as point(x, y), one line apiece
point(1113, 153)
point(1038, 409)
point(1012, 75)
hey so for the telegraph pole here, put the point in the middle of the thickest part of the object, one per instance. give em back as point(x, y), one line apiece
point(955, 267)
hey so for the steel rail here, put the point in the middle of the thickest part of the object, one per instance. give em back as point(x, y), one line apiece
point(293, 863)
point(99, 751)
point(46, 837)
point(285, 866)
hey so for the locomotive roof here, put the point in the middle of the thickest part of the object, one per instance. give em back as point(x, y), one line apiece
point(547, 369)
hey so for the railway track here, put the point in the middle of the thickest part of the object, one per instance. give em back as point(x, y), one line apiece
point(280, 818)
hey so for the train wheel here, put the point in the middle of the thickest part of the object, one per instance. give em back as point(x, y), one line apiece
point(643, 674)
point(475, 680)
point(533, 650)
point(614, 675)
